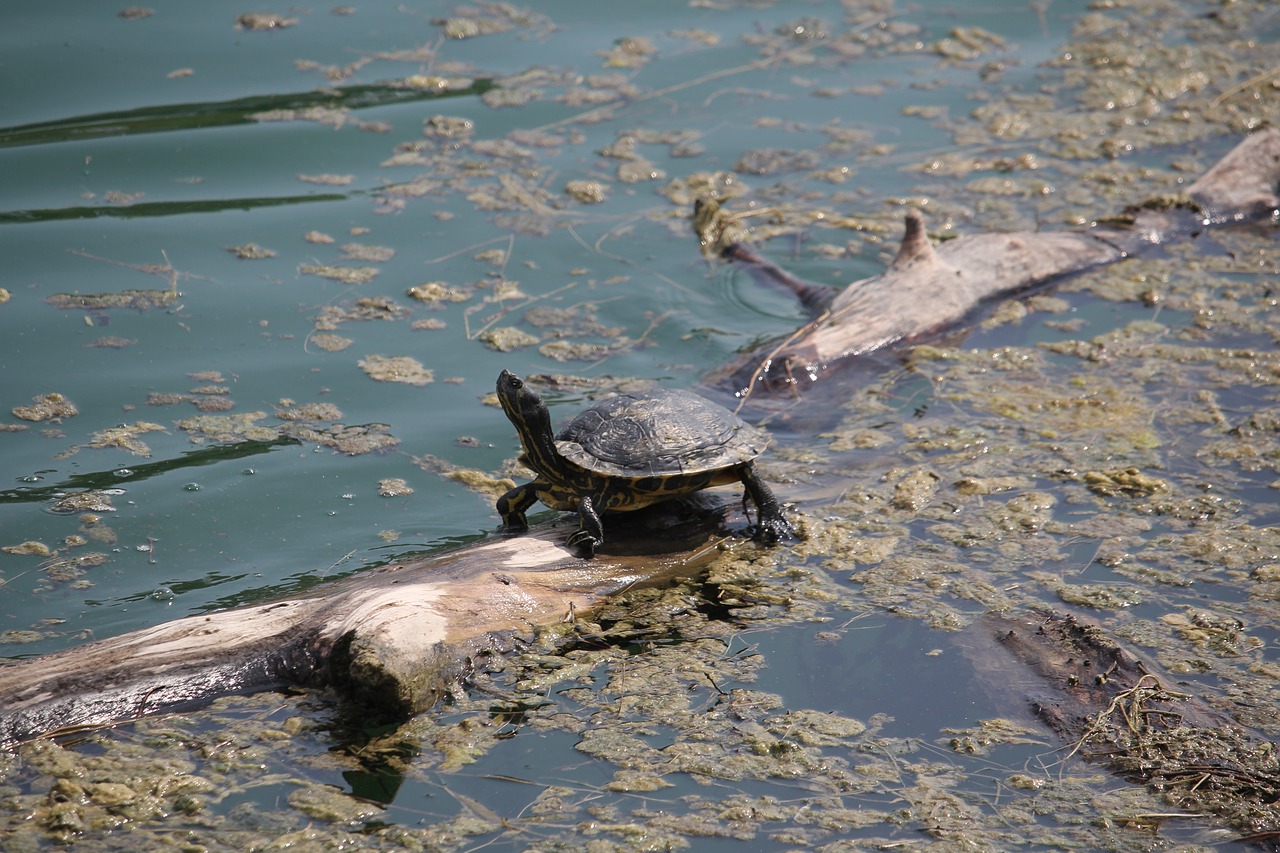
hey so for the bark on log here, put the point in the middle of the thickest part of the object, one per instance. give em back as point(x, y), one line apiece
point(928, 287)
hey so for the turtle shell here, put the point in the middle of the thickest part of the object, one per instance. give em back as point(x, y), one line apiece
point(663, 434)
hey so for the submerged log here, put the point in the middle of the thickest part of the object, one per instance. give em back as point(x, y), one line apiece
point(928, 287)
point(391, 639)
point(1080, 671)
point(1114, 710)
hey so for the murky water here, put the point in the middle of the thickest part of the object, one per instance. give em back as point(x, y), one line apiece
point(246, 169)
point(117, 160)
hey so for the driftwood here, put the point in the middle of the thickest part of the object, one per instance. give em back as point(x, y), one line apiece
point(392, 637)
point(1113, 709)
point(929, 287)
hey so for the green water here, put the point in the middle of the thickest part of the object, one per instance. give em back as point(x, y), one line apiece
point(90, 109)
point(135, 152)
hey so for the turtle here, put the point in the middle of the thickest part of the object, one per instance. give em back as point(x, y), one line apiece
point(629, 451)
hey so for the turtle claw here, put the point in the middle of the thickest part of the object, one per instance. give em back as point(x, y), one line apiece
point(583, 542)
point(772, 529)
point(513, 523)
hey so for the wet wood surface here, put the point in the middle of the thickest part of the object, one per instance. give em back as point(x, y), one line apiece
point(390, 638)
point(929, 287)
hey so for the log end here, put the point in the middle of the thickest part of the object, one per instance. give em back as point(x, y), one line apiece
point(378, 675)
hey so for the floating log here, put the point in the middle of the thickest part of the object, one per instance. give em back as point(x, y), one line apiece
point(929, 287)
point(390, 639)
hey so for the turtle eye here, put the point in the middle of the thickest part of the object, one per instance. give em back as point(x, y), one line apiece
point(514, 383)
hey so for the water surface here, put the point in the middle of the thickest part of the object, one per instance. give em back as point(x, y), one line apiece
point(152, 151)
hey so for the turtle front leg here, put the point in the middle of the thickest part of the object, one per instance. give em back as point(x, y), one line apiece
point(772, 524)
point(513, 504)
point(590, 532)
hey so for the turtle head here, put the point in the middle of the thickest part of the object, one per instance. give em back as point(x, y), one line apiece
point(520, 402)
point(526, 411)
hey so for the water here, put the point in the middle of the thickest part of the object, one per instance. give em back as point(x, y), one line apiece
point(130, 158)
point(91, 108)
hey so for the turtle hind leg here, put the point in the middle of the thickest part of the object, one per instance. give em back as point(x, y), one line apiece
point(590, 532)
point(771, 524)
point(513, 504)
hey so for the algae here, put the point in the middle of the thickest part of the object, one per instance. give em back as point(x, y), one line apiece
point(139, 300)
point(342, 274)
point(126, 437)
point(396, 368)
point(1116, 471)
point(394, 487)
point(251, 252)
point(46, 407)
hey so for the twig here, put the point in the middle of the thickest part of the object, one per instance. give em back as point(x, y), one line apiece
point(505, 310)
point(764, 364)
point(336, 563)
point(466, 249)
point(1252, 81)
point(654, 322)
point(757, 65)
point(596, 247)
point(167, 269)
point(4, 581)
point(1116, 705)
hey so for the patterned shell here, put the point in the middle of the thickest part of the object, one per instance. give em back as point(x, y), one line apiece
point(663, 434)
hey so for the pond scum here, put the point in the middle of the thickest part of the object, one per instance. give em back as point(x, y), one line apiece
point(1152, 450)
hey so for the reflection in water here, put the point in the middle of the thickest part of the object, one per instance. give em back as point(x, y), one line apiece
point(205, 116)
point(94, 480)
